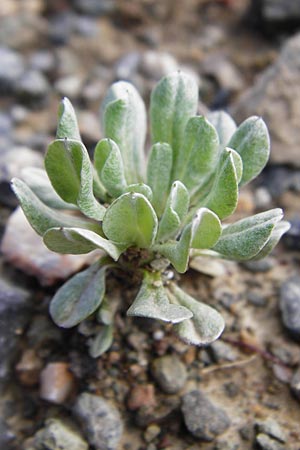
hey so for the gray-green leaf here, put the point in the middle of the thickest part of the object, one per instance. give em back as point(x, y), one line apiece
point(206, 229)
point(70, 171)
point(67, 126)
point(159, 174)
point(131, 220)
point(224, 124)
point(41, 217)
point(152, 302)
point(79, 297)
point(173, 101)
point(204, 327)
point(124, 121)
point(140, 188)
point(279, 229)
point(244, 239)
point(109, 166)
point(101, 342)
point(251, 140)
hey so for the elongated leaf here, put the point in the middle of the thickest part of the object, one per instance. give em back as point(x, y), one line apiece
point(140, 188)
point(79, 297)
point(67, 126)
point(223, 195)
point(198, 156)
point(38, 181)
point(174, 213)
point(224, 124)
point(251, 140)
point(152, 302)
point(70, 171)
point(159, 174)
point(124, 121)
point(101, 342)
point(238, 164)
point(78, 241)
point(177, 252)
point(206, 229)
point(109, 166)
point(204, 327)
point(41, 217)
point(244, 239)
point(279, 229)
point(173, 101)
point(131, 220)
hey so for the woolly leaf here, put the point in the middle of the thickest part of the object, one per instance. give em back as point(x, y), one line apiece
point(79, 297)
point(224, 124)
point(279, 229)
point(101, 342)
point(244, 239)
point(152, 302)
point(206, 229)
point(131, 220)
point(204, 327)
point(124, 121)
point(67, 126)
point(173, 101)
point(177, 252)
point(140, 188)
point(159, 174)
point(251, 140)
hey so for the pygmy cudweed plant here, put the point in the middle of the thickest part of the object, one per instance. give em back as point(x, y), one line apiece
point(147, 220)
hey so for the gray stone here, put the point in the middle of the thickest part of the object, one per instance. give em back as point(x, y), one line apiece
point(43, 61)
point(6, 435)
point(280, 10)
point(202, 418)
point(61, 27)
point(271, 428)
point(58, 435)
point(264, 442)
point(11, 69)
point(292, 237)
point(295, 384)
point(223, 71)
point(276, 97)
point(33, 88)
point(170, 373)
point(100, 420)
point(14, 317)
point(221, 351)
point(94, 7)
point(289, 304)
point(127, 65)
point(155, 65)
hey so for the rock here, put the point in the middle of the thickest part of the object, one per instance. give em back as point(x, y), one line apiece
point(33, 88)
point(263, 265)
point(264, 442)
point(155, 65)
point(169, 373)
point(127, 66)
point(85, 26)
point(276, 97)
point(94, 7)
point(28, 368)
point(61, 26)
point(69, 86)
point(278, 180)
point(289, 304)
point(100, 420)
point(151, 432)
point(56, 383)
point(42, 61)
point(15, 310)
point(256, 299)
point(11, 69)
point(5, 133)
point(275, 11)
point(224, 72)
point(57, 435)
point(203, 419)
point(221, 351)
point(291, 238)
point(33, 257)
point(89, 125)
point(141, 395)
point(295, 383)
point(271, 428)
point(6, 435)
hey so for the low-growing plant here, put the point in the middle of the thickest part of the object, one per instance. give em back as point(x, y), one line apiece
point(148, 219)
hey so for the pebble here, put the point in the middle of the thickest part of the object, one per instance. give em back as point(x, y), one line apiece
point(6, 436)
point(256, 299)
point(271, 428)
point(151, 432)
point(291, 238)
point(295, 383)
point(56, 383)
point(155, 65)
point(60, 28)
point(263, 265)
point(69, 86)
point(28, 368)
point(101, 421)
point(222, 70)
point(42, 61)
point(57, 435)
point(221, 351)
point(11, 69)
point(264, 442)
point(127, 66)
point(141, 395)
point(33, 257)
point(89, 125)
point(289, 304)
point(15, 311)
point(94, 7)
point(203, 419)
point(274, 11)
point(169, 373)
point(33, 88)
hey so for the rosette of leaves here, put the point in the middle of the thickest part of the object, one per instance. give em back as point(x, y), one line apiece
point(148, 216)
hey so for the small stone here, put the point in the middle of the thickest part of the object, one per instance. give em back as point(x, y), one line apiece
point(33, 88)
point(291, 238)
point(152, 431)
point(42, 61)
point(264, 442)
point(295, 384)
point(69, 86)
point(28, 368)
point(100, 420)
point(58, 435)
point(155, 65)
point(127, 66)
point(289, 304)
point(256, 299)
point(141, 396)
point(203, 419)
point(85, 26)
point(11, 69)
point(226, 74)
point(6, 435)
point(221, 351)
point(89, 126)
point(94, 7)
point(271, 428)
point(170, 373)
point(60, 28)
point(264, 265)
point(57, 382)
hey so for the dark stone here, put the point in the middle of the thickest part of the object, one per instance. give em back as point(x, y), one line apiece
point(14, 316)
point(170, 373)
point(289, 304)
point(256, 299)
point(11, 69)
point(295, 384)
point(291, 238)
point(203, 419)
point(6, 436)
point(33, 88)
point(61, 27)
point(95, 7)
point(220, 351)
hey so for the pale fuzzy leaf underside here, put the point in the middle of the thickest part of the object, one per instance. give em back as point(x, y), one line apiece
point(101, 342)
point(67, 126)
point(225, 126)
